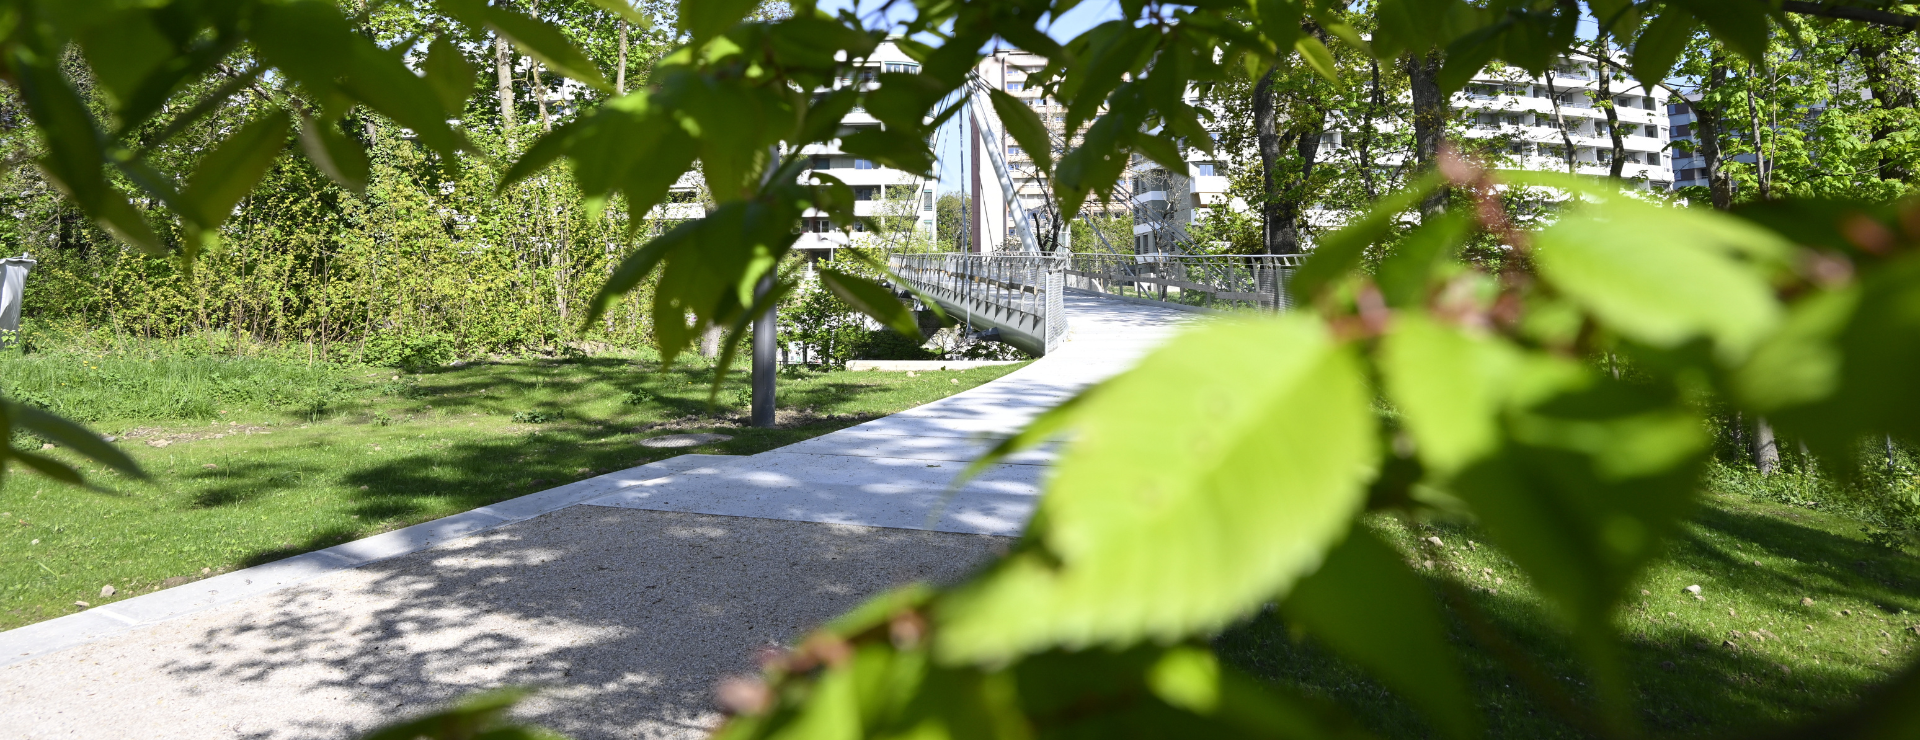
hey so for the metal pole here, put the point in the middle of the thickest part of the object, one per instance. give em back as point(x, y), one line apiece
point(763, 357)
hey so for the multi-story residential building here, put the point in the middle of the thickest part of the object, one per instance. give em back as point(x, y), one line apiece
point(900, 200)
point(992, 229)
point(1689, 168)
point(1501, 104)
point(1506, 103)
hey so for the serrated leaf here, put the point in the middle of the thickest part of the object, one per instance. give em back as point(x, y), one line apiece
point(231, 170)
point(1660, 43)
point(338, 156)
point(1240, 449)
point(1367, 605)
point(1315, 54)
point(451, 74)
point(1340, 252)
point(1743, 25)
point(71, 436)
point(872, 299)
point(1025, 128)
point(626, 10)
point(1666, 276)
point(1449, 387)
point(704, 19)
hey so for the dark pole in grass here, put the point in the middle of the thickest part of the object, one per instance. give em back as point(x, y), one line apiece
point(763, 357)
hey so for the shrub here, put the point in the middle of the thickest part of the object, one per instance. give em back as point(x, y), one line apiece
point(408, 351)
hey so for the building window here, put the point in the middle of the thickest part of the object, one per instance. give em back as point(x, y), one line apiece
point(866, 192)
point(1016, 86)
point(1015, 151)
point(863, 164)
point(1203, 169)
point(823, 163)
point(926, 201)
point(1653, 158)
point(907, 67)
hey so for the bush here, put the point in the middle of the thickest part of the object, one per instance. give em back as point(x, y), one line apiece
point(408, 351)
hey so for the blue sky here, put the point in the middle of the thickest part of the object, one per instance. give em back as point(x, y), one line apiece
point(949, 145)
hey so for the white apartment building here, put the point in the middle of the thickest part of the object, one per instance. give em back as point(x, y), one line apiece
point(881, 192)
point(1498, 104)
point(1509, 104)
point(990, 217)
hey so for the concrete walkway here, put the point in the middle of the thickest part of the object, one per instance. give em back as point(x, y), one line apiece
point(628, 595)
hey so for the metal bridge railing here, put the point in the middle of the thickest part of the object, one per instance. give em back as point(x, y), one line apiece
point(1017, 293)
point(1257, 281)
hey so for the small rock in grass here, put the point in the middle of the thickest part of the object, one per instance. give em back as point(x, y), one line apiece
point(1497, 581)
point(1693, 589)
point(1698, 597)
point(1756, 563)
point(912, 374)
point(1644, 592)
point(209, 466)
point(47, 446)
point(35, 542)
point(204, 571)
point(1732, 613)
point(955, 381)
point(159, 442)
point(1784, 670)
point(106, 591)
point(1806, 601)
point(363, 488)
point(110, 438)
point(1729, 645)
point(1428, 565)
point(1435, 541)
point(1809, 628)
point(1884, 651)
point(1846, 612)
point(175, 581)
point(82, 603)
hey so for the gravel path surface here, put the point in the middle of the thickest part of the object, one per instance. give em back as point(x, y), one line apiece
point(627, 616)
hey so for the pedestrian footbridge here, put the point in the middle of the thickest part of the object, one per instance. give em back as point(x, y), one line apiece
point(1020, 298)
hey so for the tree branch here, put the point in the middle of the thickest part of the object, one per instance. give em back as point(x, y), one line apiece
point(1853, 13)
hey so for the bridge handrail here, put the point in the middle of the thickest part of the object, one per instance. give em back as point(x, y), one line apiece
point(1228, 281)
point(1026, 284)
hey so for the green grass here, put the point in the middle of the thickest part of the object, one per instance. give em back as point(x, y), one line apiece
point(1691, 681)
point(248, 476)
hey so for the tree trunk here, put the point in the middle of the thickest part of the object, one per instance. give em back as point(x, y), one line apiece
point(1618, 163)
point(1560, 121)
point(1706, 133)
point(1760, 168)
point(539, 87)
point(503, 69)
point(620, 71)
point(1267, 140)
point(1429, 119)
point(1375, 103)
point(1889, 92)
point(1766, 450)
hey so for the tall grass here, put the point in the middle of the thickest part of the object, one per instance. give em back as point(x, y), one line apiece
point(1882, 491)
point(195, 378)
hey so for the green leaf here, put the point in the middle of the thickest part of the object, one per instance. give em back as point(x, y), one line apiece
point(1843, 367)
point(477, 717)
point(1406, 273)
point(1367, 605)
point(71, 436)
point(1660, 43)
point(338, 156)
point(872, 299)
point(232, 169)
point(1240, 449)
point(538, 39)
point(1340, 252)
point(451, 74)
point(626, 10)
point(1743, 25)
point(1666, 276)
point(1449, 386)
point(1586, 492)
point(705, 19)
point(1025, 127)
point(1315, 54)
point(47, 466)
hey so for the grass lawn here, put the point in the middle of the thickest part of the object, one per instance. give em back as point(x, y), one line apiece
point(254, 473)
point(1751, 652)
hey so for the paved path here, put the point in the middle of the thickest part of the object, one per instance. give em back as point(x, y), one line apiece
point(627, 595)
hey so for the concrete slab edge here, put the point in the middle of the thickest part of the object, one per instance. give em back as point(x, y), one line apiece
point(54, 635)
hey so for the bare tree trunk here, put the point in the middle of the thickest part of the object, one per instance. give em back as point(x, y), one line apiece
point(1766, 450)
point(1429, 119)
point(620, 72)
point(1267, 139)
point(1560, 122)
point(1706, 132)
point(1604, 97)
point(1759, 149)
point(1375, 102)
point(539, 87)
point(503, 69)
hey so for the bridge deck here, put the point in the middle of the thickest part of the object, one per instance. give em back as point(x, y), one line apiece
point(628, 609)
